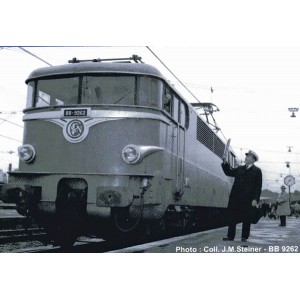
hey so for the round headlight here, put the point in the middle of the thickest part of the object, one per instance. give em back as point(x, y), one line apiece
point(131, 154)
point(26, 153)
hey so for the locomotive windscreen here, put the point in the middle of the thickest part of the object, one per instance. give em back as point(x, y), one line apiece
point(95, 89)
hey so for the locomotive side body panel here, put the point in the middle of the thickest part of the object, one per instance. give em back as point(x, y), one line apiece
point(205, 182)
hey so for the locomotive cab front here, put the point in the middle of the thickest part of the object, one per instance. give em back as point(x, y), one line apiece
point(101, 141)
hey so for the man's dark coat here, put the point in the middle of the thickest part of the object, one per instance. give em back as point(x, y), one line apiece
point(246, 187)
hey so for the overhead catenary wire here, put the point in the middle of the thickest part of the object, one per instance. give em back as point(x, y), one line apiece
point(7, 137)
point(172, 73)
point(5, 120)
point(30, 53)
point(10, 112)
point(208, 87)
point(264, 150)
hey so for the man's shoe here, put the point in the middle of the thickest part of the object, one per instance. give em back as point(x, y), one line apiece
point(227, 239)
point(244, 240)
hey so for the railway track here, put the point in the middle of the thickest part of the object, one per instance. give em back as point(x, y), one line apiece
point(18, 235)
point(82, 245)
point(35, 240)
point(85, 244)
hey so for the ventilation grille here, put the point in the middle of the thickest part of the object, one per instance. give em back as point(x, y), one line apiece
point(209, 139)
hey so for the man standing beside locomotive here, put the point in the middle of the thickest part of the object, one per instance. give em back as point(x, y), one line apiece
point(283, 208)
point(245, 194)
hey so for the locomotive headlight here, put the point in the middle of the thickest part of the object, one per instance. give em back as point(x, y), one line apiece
point(134, 154)
point(131, 154)
point(26, 153)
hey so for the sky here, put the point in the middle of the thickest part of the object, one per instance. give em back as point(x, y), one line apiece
point(252, 86)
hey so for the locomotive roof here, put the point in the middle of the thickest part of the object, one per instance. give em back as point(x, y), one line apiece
point(97, 68)
point(100, 68)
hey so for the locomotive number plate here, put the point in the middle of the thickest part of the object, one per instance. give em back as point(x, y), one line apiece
point(83, 112)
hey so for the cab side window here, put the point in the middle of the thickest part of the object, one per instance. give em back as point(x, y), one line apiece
point(168, 100)
point(176, 109)
point(150, 91)
point(183, 114)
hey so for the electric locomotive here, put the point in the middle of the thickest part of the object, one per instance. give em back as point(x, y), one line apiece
point(109, 146)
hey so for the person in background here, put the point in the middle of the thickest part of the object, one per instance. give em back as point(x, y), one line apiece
point(295, 209)
point(283, 208)
point(244, 195)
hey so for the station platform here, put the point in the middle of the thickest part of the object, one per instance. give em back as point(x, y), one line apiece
point(265, 237)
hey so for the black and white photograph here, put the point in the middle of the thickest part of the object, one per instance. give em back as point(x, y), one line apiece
point(108, 149)
point(174, 139)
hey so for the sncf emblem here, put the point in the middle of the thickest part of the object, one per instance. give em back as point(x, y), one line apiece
point(75, 130)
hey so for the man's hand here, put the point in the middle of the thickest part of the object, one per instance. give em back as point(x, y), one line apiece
point(254, 203)
point(224, 158)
